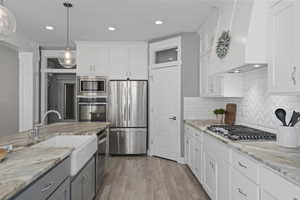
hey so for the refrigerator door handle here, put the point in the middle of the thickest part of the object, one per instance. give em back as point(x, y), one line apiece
point(129, 102)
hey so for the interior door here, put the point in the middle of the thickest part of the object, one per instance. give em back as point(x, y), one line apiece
point(165, 109)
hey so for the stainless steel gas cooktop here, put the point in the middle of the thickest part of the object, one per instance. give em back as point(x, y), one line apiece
point(241, 133)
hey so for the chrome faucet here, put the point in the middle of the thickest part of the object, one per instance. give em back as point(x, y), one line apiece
point(35, 133)
point(49, 112)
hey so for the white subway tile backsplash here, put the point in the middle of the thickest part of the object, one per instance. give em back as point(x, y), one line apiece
point(256, 108)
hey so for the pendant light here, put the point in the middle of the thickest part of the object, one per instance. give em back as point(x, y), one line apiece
point(7, 20)
point(68, 61)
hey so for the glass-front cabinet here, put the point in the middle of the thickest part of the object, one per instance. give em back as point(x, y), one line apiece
point(166, 53)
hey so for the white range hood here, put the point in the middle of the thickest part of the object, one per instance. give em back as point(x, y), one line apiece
point(247, 22)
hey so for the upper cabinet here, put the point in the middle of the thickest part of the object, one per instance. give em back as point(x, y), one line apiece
point(215, 84)
point(208, 32)
point(165, 53)
point(116, 60)
point(92, 59)
point(284, 41)
point(241, 35)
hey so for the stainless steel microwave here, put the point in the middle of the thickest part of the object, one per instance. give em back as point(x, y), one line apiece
point(92, 86)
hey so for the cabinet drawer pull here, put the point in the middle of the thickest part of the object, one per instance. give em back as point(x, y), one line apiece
point(293, 75)
point(47, 187)
point(242, 193)
point(243, 166)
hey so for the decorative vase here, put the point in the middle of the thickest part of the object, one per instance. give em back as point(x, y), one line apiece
point(287, 137)
point(220, 118)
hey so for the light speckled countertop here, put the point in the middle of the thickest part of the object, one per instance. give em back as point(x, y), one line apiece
point(283, 161)
point(22, 139)
point(25, 164)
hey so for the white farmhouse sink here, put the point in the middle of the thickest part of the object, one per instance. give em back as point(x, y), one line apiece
point(84, 148)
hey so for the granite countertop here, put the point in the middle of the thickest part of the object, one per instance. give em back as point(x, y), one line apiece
point(25, 164)
point(23, 167)
point(22, 139)
point(283, 161)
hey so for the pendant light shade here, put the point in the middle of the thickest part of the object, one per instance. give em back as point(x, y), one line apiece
point(68, 61)
point(7, 21)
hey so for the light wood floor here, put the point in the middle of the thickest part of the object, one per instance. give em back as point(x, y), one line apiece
point(149, 178)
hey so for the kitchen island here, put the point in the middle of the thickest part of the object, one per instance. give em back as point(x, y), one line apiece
point(26, 163)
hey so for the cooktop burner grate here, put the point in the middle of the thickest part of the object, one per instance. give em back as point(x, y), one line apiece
point(241, 133)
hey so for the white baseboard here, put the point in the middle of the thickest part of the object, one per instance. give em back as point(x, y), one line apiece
point(181, 160)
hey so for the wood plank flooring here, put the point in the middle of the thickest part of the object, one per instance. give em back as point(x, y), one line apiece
point(149, 178)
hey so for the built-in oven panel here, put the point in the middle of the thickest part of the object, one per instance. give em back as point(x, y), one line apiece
point(92, 109)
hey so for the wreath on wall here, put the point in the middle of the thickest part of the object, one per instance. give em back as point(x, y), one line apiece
point(223, 44)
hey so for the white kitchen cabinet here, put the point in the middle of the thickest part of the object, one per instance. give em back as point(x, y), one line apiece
point(216, 168)
point(219, 85)
point(165, 53)
point(210, 175)
point(193, 150)
point(266, 196)
point(243, 188)
point(207, 33)
point(214, 84)
point(115, 60)
point(119, 62)
point(138, 62)
point(275, 187)
point(92, 60)
point(284, 59)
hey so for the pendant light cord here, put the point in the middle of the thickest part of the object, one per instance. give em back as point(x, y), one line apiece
point(68, 27)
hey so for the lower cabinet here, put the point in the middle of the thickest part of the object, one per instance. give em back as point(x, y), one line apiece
point(63, 192)
point(83, 186)
point(210, 175)
point(267, 196)
point(242, 187)
point(228, 174)
point(52, 185)
point(274, 187)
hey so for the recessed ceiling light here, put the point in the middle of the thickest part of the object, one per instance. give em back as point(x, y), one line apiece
point(236, 71)
point(111, 28)
point(49, 28)
point(158, 22)
point(256, 66)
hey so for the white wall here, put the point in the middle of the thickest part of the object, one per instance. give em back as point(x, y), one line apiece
point(256, 108)
point(25, 47)
point(9, 90)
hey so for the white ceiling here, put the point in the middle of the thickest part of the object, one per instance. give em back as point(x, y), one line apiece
point(134, 19)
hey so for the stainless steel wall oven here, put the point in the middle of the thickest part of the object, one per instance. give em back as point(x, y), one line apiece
point(92, 109)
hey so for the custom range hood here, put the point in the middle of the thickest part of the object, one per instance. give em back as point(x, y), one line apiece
point(241, 36)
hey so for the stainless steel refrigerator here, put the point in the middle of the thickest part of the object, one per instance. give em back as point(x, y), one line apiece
point(128, 113)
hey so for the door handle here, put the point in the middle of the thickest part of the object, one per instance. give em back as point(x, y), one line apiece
point(173, 118)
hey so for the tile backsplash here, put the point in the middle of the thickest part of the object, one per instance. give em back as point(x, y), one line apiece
point(256, 108)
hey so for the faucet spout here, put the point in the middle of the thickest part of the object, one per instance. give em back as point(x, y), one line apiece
point(49, 112)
